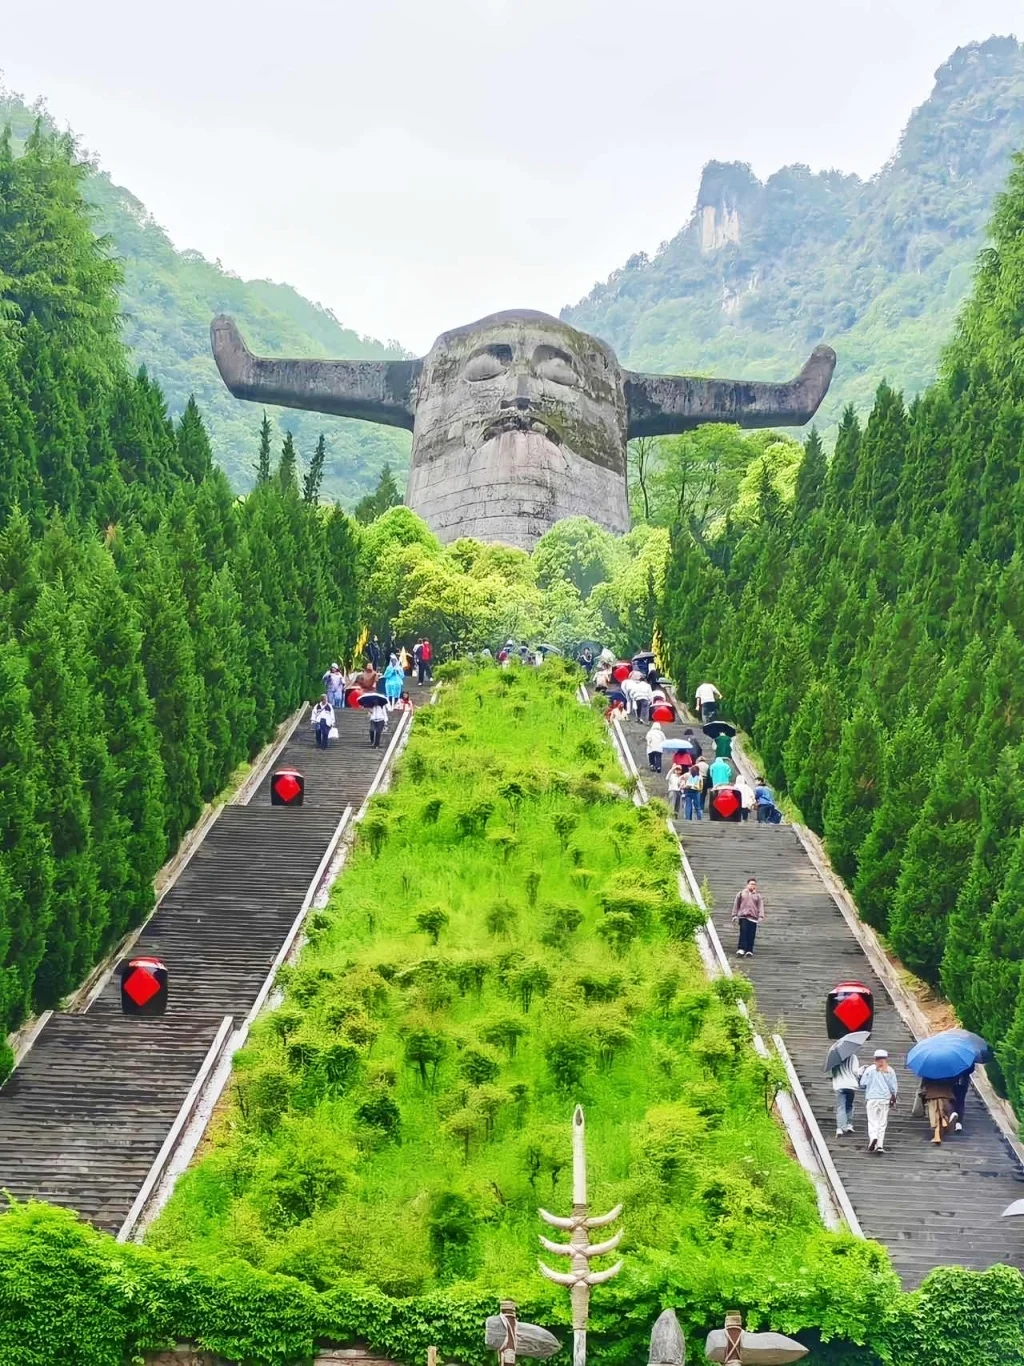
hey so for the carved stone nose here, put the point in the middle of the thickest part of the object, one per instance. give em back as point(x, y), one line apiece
point(521, 402)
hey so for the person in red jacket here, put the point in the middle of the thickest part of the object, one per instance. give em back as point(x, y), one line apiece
point(426, 655)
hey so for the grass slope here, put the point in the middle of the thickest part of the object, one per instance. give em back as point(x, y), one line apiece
point(398, 1119)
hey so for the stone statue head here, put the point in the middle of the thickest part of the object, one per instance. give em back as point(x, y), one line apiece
point(518, 420)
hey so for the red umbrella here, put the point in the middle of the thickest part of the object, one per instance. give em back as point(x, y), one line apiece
point(352, 697)
point(621, 672)
point(663, 712)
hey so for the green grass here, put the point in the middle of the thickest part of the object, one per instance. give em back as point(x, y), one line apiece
point(346, 1153)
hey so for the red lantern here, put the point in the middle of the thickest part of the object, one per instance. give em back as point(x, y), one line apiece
point(663, 712)
point(287, 787)
point(726, 804)
point(848, 1007)
point(143, 987)
point(621, 672)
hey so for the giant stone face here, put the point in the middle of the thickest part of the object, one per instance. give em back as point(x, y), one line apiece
point(520, 421)
point(517, 420)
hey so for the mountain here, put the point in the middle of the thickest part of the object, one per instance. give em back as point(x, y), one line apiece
point(876, 268)
point(168, 298)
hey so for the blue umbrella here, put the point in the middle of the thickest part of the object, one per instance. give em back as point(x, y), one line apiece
point(616, 695)
point(982, 1052)
point(940, 1057)
point(677, 744)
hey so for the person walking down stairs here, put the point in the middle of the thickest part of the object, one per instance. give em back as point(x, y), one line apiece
point(747, 913)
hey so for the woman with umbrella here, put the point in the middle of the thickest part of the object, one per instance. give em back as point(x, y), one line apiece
point(842, 1064)
point(944, 1062)
point(394, 681)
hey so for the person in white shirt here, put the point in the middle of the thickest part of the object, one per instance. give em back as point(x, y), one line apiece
point(708, 698)
point(642, 696)
point(746, 795)
point(675, 786)
point(378, 720)
point(654, 739)
point(321, 718)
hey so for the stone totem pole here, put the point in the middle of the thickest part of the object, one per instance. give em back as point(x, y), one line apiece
point(580, 1249)
point(517, 420)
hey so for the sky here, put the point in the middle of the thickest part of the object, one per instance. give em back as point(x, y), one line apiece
point(416, 164)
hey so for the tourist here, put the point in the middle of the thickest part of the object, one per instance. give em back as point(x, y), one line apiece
point(723, 746)
point(880, 1087)
point(416, 649)
point(692, 744)
point(721, 772)
point(334, 685)
point(708, 698)
point(746, 795)
point(394, 677)
point(747, 913)
point(693, 793)
point(424, 665)
point(404, 703)
point(674, 783)
point(586, 659)
point(367, 680)
point(937, 1099)
point(322, 720)
point(615, 711)
point(704, 769)
point(961, 1085)
point(602, 679)
point(374, 654)
point(641, 698)
point(764, 800)
point(378, 721)
point(654, 740)
point(845, 1081)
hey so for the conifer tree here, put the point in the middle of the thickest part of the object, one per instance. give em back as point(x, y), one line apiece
point(842, 470)
point(287, 468)
point(315, 474)
point(908, 765)
point(811, 751)
point(810, 479)
point(1002, 815)
point(25, 908)
point(263, 458)
point(194, 451)
point(855, 790)
point(875, 490)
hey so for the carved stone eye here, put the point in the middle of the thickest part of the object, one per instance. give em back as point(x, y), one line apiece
point(554, 365)
point(488, 363)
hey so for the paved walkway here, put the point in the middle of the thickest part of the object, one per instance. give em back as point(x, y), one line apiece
point(930, 1205)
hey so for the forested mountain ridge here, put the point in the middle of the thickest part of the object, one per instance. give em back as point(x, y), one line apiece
point(168, 298)
point(877, 268)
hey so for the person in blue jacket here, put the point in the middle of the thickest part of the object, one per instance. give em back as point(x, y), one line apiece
point(394, 681)
point(764, 800)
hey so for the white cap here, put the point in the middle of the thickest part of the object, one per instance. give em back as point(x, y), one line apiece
point(881, 1053)
point(334, 665)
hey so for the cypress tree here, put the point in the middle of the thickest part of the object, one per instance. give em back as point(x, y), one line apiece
point(910, 753)
point(937, 851)
point(875, 492)
point(194, 453)
point(263, 457)
point(287, 467)
point(842, 470)
point(854, 790)
point(995, 981)
point(25, 907)
point(315, 474)
point(1002, 815)
point(810, 478)
point(811, 751)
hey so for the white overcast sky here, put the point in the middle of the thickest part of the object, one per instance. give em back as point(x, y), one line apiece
point(414, 164)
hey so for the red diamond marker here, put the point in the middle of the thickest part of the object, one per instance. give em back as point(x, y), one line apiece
point(286, 787)
point(726, 804)
point(852, 1012)
point(141, 986)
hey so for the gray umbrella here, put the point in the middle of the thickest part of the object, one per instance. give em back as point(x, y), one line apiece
point(845, 1048)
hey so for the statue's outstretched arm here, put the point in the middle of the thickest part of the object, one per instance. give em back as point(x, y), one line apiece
point(374, 390)
point(662, 404)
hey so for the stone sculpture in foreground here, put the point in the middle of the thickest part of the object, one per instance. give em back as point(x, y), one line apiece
point(519, 419)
